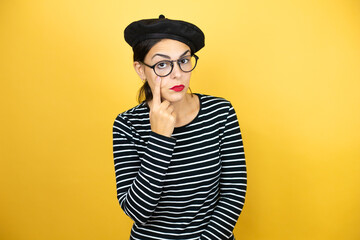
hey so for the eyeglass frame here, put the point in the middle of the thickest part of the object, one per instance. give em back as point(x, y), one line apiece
point(172, 65)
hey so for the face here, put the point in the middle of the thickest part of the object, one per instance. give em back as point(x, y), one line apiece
point(171, 85)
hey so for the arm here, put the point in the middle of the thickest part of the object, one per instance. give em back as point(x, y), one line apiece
point(139, 179)
point(233, 182)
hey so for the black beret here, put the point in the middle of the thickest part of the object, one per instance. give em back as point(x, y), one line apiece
point(160, 28)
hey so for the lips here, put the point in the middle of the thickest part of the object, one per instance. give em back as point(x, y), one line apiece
point(178, 88)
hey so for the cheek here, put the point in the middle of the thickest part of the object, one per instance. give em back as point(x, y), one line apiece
point(187, 78)
point(151, 84)
point(151, 81)
point(150, 78)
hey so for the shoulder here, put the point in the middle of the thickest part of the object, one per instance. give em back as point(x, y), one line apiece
point(135, 114)
point(209, 103)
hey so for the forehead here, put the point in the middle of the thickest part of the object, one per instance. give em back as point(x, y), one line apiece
point(169, 47)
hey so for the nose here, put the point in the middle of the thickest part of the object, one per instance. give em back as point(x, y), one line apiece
point(176, 72)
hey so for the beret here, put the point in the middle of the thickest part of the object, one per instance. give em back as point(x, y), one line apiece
point(161, 28)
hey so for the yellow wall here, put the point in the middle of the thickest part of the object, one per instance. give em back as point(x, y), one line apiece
point(290, 68)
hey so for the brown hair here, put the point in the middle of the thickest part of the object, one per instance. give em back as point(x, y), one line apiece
point(140, 50)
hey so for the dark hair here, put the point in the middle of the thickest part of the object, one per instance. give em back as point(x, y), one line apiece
point(140, 50)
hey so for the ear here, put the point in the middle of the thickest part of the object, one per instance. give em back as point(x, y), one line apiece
point(139, 68)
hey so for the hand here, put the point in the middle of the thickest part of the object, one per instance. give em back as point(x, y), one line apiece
point(162, 116)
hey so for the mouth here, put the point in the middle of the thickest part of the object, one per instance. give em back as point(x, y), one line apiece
point(178, 88)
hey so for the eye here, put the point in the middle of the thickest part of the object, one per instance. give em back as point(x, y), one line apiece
point(162, 65)
point(184, 60)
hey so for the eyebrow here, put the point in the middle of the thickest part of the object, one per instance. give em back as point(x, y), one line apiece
point(166, 56)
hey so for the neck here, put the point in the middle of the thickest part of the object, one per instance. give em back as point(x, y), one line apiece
point(186, 110)
point(182, 107)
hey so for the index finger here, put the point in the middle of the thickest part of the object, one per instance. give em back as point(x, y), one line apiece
point(156, 92)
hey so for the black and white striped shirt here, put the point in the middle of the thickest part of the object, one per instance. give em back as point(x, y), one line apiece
point(189, 186)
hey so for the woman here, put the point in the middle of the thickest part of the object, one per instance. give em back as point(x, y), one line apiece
point(179, 159)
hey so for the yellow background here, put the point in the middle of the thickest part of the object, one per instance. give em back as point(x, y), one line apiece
point(290, 68)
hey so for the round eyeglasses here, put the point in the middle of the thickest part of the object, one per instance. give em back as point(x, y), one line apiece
point(165, 67)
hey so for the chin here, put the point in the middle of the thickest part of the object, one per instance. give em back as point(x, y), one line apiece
point(176, 96)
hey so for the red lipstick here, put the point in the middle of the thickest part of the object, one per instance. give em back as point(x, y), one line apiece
point(178, 88)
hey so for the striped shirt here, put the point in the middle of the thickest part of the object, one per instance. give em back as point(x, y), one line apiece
point(188, 186)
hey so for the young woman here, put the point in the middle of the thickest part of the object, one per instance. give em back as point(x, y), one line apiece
point(179, 158)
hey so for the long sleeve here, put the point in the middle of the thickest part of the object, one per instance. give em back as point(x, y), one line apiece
point(233, 182)
point(140, 169)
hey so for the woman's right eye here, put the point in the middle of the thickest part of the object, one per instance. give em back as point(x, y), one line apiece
point(162, 65)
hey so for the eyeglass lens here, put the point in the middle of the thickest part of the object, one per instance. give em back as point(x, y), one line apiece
point(186, 64)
